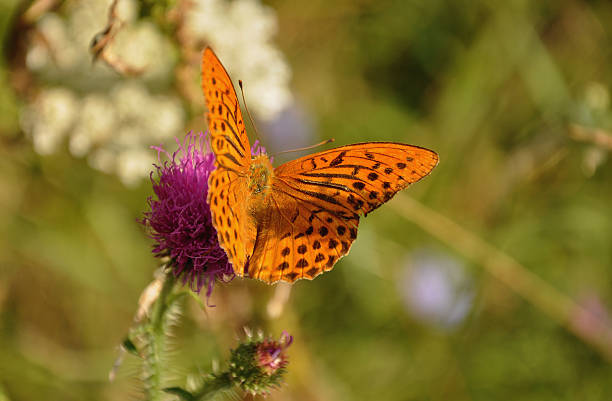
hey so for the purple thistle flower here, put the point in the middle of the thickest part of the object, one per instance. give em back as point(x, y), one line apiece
point(271, 355)
point(179, 216)
point(257, 149)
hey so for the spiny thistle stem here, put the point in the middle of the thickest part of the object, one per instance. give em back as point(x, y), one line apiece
point(155, 336)
point(213, 386)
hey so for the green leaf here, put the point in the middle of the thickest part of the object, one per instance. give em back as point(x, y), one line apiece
point(181, 393)
point(130, 347)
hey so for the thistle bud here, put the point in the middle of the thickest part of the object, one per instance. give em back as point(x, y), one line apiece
point(257, 366)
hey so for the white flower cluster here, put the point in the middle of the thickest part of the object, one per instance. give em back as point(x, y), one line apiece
point(64, 53)
point(112, 120)
point(240, 33)
point(106, 118)
point(113, 130)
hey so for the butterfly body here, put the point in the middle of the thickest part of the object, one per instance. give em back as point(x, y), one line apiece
point(261, 174)
point(297, 220)
point(259, 185)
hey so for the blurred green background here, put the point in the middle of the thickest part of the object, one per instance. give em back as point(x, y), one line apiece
point(489, 280)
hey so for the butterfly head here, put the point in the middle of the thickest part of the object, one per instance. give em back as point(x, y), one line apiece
point(260, 176)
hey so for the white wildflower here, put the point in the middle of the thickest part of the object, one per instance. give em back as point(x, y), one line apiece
point(165, 118)
point(49, 118)
point(107, 128)
point(240, 32)
point(134, 164)
point(143, 47)
point(102, 159)
point(97, 121)
point(111, 119)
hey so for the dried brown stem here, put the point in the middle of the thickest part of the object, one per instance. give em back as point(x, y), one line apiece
point(100, 44)
point(595, 136)
point(37, 9)
point(279, 300)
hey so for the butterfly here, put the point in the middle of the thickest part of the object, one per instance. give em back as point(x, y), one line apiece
point(297, 220)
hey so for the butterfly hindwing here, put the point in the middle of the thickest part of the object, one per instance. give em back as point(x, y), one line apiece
point(228, 136)
point(299, 238)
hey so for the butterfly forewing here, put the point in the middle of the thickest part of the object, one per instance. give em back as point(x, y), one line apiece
point(228, 136)
point(357, 178)
point(228, 183)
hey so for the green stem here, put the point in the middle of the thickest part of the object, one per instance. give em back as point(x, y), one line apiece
point(213, 386)
point(155, 341)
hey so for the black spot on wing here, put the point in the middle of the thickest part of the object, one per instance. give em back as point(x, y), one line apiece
point(338, 159)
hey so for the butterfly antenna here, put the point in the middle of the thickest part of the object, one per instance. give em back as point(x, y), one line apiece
point(247, 109)
point(325, 142)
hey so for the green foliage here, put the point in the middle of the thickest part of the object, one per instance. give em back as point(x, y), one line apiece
point(494, 87)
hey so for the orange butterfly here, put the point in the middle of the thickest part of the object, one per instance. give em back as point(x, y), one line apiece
point(296, 220)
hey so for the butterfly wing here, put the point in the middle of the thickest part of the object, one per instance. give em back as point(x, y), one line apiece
point(299, 238)
point(235, 230)
point(228, 136)
point(228, 183)
point(316, 202)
